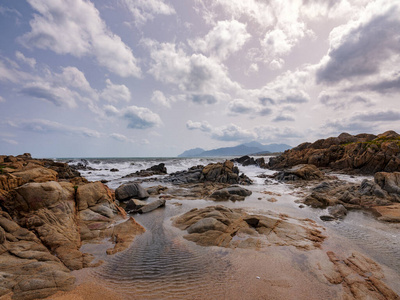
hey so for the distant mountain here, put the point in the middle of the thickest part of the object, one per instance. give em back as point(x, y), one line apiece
point(192, 152)
point(242, 149)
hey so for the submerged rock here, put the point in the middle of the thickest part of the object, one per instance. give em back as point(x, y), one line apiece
point(224, 227)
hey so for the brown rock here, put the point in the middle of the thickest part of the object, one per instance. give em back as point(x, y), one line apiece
point(35, 173)
point(389, 213)
point(91, 194)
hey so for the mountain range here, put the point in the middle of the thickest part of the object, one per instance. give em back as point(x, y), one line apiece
point(250, 148)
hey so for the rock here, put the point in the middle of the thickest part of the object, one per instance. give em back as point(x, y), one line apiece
point(327, 218)
point(156, 190)
point(123, 234)
point(9, 182)
point(36, 174)
point(227, 193)
point(224, 227)
point(389, 213)
point(49, 209)
point(131, 190)
point(363, 153)
point(360, 277)
point(159, 169)
point(300, 172)
point(63, 170)
point(206, 224)
point(389, 182)
point(91, 194)
point(338, 211)
point(152, 206)
point(114, 170)
point(133, 205)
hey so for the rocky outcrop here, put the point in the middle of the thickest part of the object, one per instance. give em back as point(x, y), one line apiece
point(363, 153)
point(159, 169)
point(360, 277)
point(233, 193)
point(27, 269)
point(390, 182)
point(131, 190)
point(299, 172)
point(234, 228)
point(249, 161)
point(226, 173)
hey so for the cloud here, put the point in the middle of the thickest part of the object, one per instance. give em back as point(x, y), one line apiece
point(342, 100)
point(225, 38)
point(141, 117)
point(241, 106)
point(44, 91)
point(84, 33)
point(229, 132)
point(283, 118)
point(159, 98)
point(10, 141)
point(46, 126)
point(145, 10)
point(29, 61)
point(2, 99)
point(271, 133)
point(378, 116)
point(359, 48)
point(202, 126)
point(202, 79)
point(121, 138)
point(110, 110)
point(115, 92)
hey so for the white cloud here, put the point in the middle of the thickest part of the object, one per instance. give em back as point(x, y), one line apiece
point(115, 92)
point(145, 10)
point(225, 38)
point(29, 61)
point(110, 110)
point(272, 133)
point(284, 118)
point(141, 117)
point(204, 80)
point(84, 33)
point(202, 126)
point(10, 141)
point(241, 106)
point(229, 132)
point(365, 46)
point(159, 98)
point(121, 138)
point(2, 99)
point(46, 126)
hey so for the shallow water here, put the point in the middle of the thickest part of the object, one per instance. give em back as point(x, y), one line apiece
point(160, 264)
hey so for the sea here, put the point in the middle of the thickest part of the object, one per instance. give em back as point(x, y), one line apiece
point(161, 264)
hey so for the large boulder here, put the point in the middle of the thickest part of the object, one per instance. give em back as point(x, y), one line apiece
point(231, 193)
point(224, 227)
point(389, 182)
point(35, 173)
point(91, 194)
point(27, 268)
point(131, 190)
point(49, 210)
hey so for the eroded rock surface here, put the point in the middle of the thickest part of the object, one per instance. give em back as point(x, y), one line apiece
point(299, 172)
point(224, 227)
point(364, 153)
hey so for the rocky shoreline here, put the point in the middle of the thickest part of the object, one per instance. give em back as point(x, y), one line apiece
point(48, 211)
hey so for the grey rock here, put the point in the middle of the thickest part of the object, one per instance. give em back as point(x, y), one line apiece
point(152, 206)
point(337, 211)
point(131, 190)
point(133, 205)
point(230, 193)
point(207, 224)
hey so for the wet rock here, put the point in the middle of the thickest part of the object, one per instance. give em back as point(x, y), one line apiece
point(224, 227)
point(156, 190)
point(133, 205)
point(152, 206)
point(131, 190)
point(114, 170)
point(227, 193)
point(389, 213)
point(300, 172)
point(159, 169)
point(337, 211)
point(363, 153)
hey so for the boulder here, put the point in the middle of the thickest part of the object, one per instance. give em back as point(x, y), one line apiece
point(152, 206)
point(390, 182)
point(91, 194)
point(389, 213)
point(36, 173)
point(131, 190)
point(224, 227)
point(229, 193)
point(133, 205)
point(300, 172)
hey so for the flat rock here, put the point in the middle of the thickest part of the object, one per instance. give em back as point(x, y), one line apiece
point(389, 213)
point(152, 206)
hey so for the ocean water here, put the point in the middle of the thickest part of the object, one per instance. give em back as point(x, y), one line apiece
point(161, 264)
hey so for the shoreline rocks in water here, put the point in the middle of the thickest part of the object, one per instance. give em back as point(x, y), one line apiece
point(46, 212)
point(234, 228)
point(362, 153)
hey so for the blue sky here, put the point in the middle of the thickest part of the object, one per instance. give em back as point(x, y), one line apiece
point(157, 77)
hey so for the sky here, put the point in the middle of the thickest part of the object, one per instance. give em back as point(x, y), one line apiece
point(146, 78)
